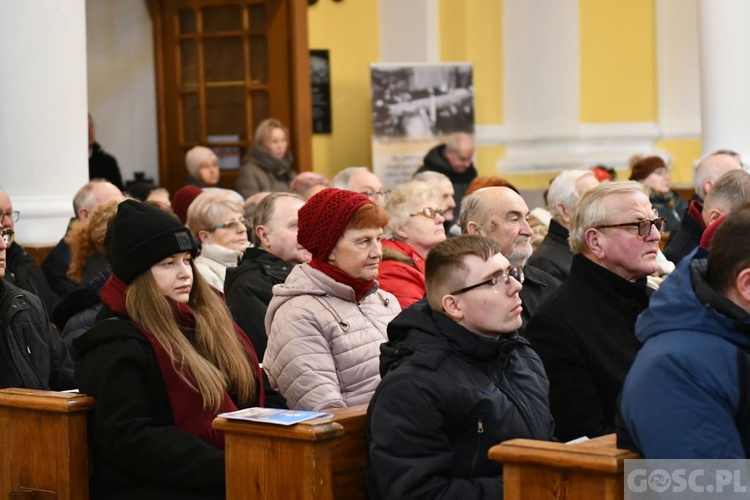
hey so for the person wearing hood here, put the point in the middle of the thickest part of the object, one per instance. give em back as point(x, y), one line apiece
point(163, 361)
point(455, 160)
point(268, 164)
point(687, 395)
point(457, 379)
point(202, 166)
point(326, 322)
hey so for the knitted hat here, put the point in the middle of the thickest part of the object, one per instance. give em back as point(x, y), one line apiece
point(183, 198)
point(196, 157)
point(142, 235)
point(645, 167)
point(323, 219)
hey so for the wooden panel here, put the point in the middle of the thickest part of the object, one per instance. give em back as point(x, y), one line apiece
point(43, 442)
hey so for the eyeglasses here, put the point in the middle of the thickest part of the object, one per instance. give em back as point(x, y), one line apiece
point(644, 226)
point(231, 224)
point(14, 215)
point(374, 194)
point(7, 235)
point(514, 272)
point(430, 213)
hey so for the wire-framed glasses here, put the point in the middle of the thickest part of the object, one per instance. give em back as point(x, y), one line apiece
point(503, 276)
point(428, 212)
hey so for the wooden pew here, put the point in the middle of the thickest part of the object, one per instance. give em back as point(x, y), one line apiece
point(43, 448)
point(44, 452)
point(321, 459)
point(546, 470)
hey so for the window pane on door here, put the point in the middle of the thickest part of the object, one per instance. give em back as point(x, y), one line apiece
point(225, 111)
point(191, 119)
point(225, 18)
point(257, 14)
point(258, 60)
point(187, 21)
point(189, 62)
point(222, 58)
point(261, 107)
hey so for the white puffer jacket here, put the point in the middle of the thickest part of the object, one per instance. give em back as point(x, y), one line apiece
point(324, 347)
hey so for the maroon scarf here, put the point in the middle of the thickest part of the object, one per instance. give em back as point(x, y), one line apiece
point(360, 287)
point(187, 404)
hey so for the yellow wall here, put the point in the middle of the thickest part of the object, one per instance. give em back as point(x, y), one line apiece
point(618, 61)
point(350, 31)
point(471, 30)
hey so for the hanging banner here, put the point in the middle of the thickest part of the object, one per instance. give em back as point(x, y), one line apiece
point(414, 107)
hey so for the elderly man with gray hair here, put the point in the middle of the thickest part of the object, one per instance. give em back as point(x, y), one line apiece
point(565, 192)
point(362, 181)
point(584, 333)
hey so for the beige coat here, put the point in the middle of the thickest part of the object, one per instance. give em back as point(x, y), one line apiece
point(323, 347)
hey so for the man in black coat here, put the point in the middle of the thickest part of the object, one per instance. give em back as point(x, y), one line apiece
point(457, 378)
point(455, 160)
point(32, 354)
point(20, 268)
point(275, 251)
point(584, 332)
point(501, 214)
point(565, 192)
point(101, 164)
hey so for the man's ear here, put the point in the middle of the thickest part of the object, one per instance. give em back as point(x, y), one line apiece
point(742, 284)
point(204, 236)
point(261, 232)
point(564, 212)
point(595, 243)
point(713, 214)
point(452, 307)
point(399, 231)
point(473, 228)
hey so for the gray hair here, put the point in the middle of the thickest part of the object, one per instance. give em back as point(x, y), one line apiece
point(729, 192)
point(709, 167)
point(207, 208)
point(563, 190)
point(430, 176)
point(590, 212)
point(404, 201)
point(343, 178)
point(474, 208)
point(265, 210)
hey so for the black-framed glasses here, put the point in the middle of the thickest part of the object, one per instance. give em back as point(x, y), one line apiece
point(644, 226)
point(374, 194)
point(7, 235)
point(514, 272)
point(232, 224)
point(428, 212)
point(14, 215)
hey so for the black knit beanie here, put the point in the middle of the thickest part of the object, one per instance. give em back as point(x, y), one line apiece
point(142, 235)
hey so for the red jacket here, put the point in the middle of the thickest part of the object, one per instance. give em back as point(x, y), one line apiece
point(402, 272)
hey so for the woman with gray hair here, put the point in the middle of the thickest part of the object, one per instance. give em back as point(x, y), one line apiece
point(415, 225)
point(215, 219)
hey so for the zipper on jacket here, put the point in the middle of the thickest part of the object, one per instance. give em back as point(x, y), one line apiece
point(480, 431)
point(359, 305)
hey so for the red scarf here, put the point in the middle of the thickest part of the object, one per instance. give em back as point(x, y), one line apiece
point(360, 287)
point(186, 403)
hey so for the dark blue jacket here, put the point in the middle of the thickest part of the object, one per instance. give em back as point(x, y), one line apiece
point(446, 397)
point(687, 391)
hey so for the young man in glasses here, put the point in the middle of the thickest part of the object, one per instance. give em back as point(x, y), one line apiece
point(32, 354)
point(584, 333)
point(687, 394)
point(457, 378)
point(20, 268)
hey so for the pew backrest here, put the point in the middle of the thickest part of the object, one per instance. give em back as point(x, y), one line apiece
point(43, 445)
point(542, 469)
point(322, 459)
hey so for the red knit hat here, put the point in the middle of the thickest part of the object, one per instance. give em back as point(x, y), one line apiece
point(183, 198)
point(323, 219)
point(645, 167)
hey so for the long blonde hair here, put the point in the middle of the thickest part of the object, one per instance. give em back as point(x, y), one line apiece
point(216, 362)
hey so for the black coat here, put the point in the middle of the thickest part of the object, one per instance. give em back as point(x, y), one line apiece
point(537, 287)
point(686, 236)
point(22, 271)
point(448, 395)
point(553, 254)
point(32, 354)
point(138, 452)
point(104, 166)
point(585, 336)
point(55, 268)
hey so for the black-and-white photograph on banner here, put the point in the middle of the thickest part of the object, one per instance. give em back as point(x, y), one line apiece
point(414, 107)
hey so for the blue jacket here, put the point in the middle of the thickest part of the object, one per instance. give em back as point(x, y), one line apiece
point(686, 394)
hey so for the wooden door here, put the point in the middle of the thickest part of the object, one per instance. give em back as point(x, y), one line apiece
point(223, 66)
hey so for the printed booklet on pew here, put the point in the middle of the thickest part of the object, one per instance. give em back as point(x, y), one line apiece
point(274, 415)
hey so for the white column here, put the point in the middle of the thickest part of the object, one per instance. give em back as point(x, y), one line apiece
point(725, 74)
point(43, 124)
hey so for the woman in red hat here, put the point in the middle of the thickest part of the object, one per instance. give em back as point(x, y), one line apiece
point(325, 324)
